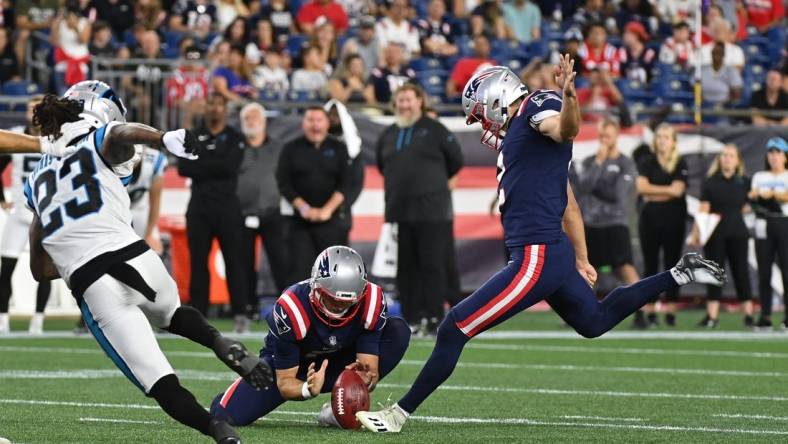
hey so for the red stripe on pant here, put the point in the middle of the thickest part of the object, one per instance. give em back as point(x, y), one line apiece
point(229, 393)
point(496, 312)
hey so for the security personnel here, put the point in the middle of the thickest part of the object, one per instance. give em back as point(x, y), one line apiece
point(417, 157)
point(214, 210)
point(314, 176)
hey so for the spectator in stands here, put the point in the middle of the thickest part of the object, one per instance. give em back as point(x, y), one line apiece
point(70, 35)
point(237, 33)
point(467, 66)
point(662, 184)
point(9, 66)
point(488, 19)
point(721, 33)
point(219, 54)
point(677, 11)
point(599, 96)
point(314, 10)
point(770, 98)
point(721, 83)
point(356, 9)
point(196, 17)
point(365, 43)
point(234, 80)
point(313, 176)
point(595, 11)
point(395, 28)
point(117, 13)
point(349, 83)
point(271, 76)
point(524, 20)
point(766, 16)
point(227, 11)
point(640, 11)
point(187, 88)
point(280, 15)
point(32, 15)
point(150, 14)
point(769, 197)
point(312, 77)
point(259, 197)
point(261, 42)
point(638, 60)
point(596, 52)
point(214, 210)
point(417, 157)
point(325, 39)
point(678, 49)
point(724, 193)
point(392, 74)
point(101, 44)
point(436, 31)
point(605, 190)
point(572, 39)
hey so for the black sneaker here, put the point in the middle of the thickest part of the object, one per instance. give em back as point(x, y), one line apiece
point(640, 321)
point(652, 320)
point(670, 320)
point(703, 322)
point(763, 325)
point(222, 432)
point(749, 322)
point(693, 267)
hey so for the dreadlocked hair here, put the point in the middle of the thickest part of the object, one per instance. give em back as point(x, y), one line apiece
point(54, 111)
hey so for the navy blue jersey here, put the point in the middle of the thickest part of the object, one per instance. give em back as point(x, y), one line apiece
point(297, 335)
point(532, 174)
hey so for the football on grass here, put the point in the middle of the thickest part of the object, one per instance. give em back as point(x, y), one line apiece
point(350, 395)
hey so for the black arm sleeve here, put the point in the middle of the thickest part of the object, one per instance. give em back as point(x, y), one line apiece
point(452, 151)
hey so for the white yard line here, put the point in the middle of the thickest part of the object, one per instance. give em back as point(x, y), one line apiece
point(602, 418)
point(447, 420)
point(117, 421)
point(618, 350)
point(742, 416)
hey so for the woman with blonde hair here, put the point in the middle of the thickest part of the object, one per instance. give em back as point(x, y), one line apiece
point(662, 183)
point(724, 193)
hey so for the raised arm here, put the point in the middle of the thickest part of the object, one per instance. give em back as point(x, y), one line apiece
point(564, 126)
point(117, 141)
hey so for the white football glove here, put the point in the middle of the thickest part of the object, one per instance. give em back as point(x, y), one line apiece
point(69, 132)
point(176, 142)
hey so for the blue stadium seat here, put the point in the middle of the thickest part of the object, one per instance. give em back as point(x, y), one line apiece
point(19, 88)
point(426, 64)
point(433, 82)
point(295, 43)
point(304, 96)
point(756, 49)
point(269, 95)
point(465, 45)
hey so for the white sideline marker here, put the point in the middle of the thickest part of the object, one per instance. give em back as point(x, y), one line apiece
point(117, 421)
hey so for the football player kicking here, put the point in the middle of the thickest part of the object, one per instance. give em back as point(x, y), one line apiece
point(318, 327)
point(543, 230)
point(81, 231)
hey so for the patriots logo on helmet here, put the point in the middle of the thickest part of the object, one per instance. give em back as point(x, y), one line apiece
point(542, 96)
point(324, 268)
point(470, 91)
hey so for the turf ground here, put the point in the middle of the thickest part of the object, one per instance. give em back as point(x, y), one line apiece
point(531, 381)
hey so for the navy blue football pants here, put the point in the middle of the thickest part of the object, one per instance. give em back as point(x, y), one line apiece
point(535, 273)
point(242, 405)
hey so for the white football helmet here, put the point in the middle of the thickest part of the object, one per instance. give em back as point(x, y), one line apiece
point(486, 99)
point(100, 103)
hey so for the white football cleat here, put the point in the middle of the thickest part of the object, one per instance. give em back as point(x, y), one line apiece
point(326, 418)
point(692, 267)
point(5, 328)
point(389, 420)
point(36, 324)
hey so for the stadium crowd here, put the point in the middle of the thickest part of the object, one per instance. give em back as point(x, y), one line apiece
point(631, 54)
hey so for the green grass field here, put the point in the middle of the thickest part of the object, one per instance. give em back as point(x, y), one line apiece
point(533, 382)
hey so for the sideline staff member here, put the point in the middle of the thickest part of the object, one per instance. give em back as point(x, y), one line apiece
point(314, 176)
point(214, 210)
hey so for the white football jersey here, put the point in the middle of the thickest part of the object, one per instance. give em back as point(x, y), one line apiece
point(22, 164)
point(82, 204)
point(151, 167)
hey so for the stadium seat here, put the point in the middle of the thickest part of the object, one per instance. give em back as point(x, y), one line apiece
point(426, 64)
point(304, 96)
point(433, 82)
point(19, 88)
point(295, 43)
point(269, 95)
point(756, 50)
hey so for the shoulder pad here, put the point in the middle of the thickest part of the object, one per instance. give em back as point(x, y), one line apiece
point(292, 308)
point(373, 305)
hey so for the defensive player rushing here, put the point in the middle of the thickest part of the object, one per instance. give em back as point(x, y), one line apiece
point(547, 262)
point(318, 327)
point(82, 231)
point(17, 225)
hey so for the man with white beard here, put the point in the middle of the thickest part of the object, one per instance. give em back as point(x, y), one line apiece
point(418, 158)
point(259, 197)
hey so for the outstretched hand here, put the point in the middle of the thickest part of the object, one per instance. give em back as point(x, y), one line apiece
point(565, 75)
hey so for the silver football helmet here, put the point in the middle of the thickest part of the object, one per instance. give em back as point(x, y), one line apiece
point(339, 279)
point(486, 99)
point(100, 103)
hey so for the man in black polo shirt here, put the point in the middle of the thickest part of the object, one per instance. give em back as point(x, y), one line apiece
point(214, 210)
point(314, 176)
point(417, 157)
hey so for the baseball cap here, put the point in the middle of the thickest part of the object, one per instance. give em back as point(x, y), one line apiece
point(638, 29)
point(777, 143)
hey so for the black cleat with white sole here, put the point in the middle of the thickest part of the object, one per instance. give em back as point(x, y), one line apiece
point(254, 370)
point(693, 267)
point(222, 432)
